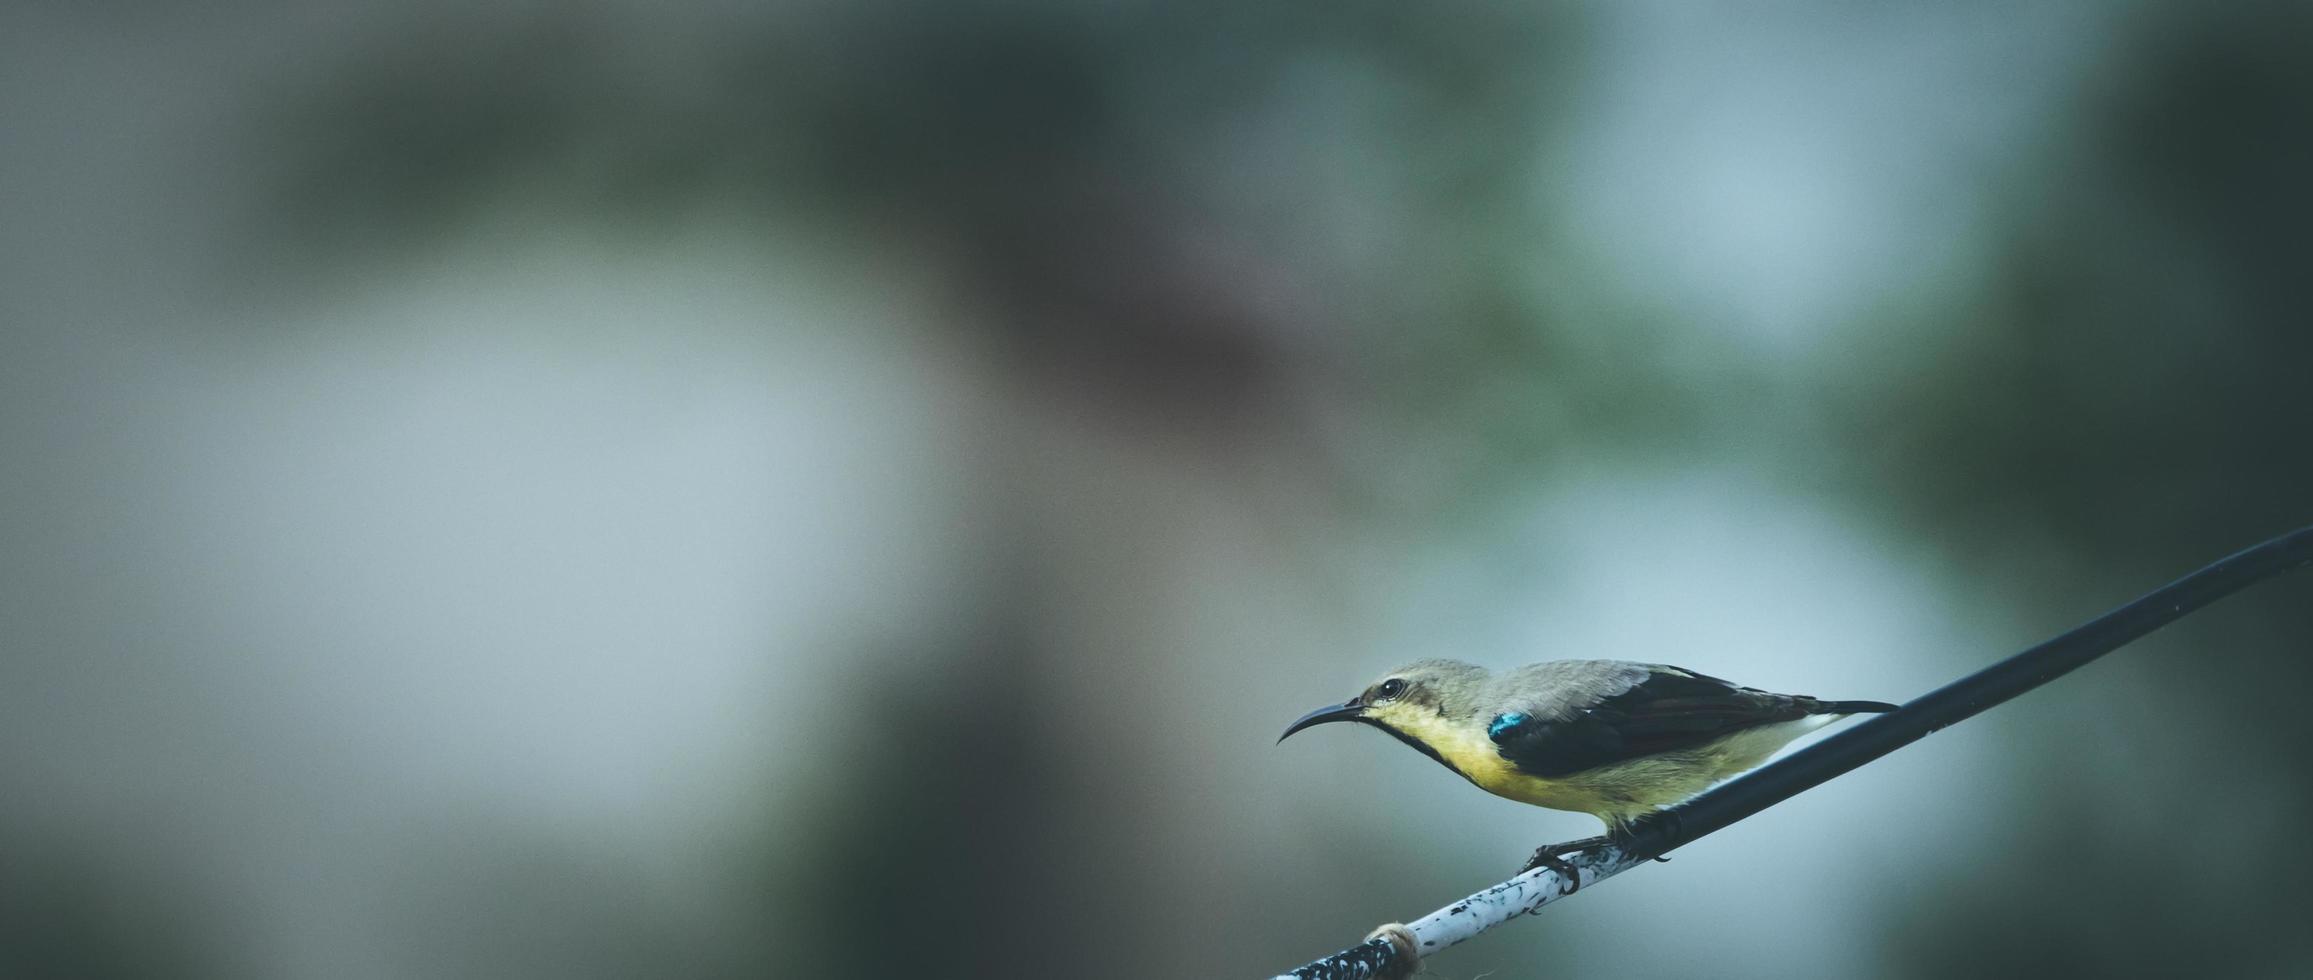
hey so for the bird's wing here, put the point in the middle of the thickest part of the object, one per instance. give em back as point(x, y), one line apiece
point(1666, 709)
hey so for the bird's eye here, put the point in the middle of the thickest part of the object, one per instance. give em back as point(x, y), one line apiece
point(1391, 689)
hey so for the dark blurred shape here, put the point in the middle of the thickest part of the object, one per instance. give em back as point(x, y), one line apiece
point(429, 123)
point(131, 912)
point(949, 854)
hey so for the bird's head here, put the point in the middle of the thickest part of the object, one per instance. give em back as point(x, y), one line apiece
point(1412, 702)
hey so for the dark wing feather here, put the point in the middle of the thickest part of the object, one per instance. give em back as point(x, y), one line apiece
point(1671, 709)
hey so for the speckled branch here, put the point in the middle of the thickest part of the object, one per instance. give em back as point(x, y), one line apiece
point(1399, 951)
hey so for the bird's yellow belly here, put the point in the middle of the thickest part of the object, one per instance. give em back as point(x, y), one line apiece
point(1555, 794)
point(1615, 794)
point(1624, 791)
point(1603, 792)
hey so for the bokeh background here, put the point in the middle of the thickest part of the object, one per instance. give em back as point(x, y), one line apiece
point(854, 489)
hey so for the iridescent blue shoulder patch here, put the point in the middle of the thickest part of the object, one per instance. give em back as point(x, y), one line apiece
point(1504, 722)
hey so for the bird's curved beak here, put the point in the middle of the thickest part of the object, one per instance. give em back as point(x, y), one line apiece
point(1350, 710)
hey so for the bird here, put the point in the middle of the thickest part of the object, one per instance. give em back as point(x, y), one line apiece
point(1611, 738)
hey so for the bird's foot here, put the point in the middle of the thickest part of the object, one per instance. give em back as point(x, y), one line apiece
point(1551, 856)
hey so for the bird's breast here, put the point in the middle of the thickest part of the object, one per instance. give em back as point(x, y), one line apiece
point(1469, 750)
point(1464, 749)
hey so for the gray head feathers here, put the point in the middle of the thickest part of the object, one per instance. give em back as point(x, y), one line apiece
point(1558, 689)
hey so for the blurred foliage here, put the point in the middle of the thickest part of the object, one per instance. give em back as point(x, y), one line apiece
point(1214, 231)
point(2128, 388)
point(1067, 164)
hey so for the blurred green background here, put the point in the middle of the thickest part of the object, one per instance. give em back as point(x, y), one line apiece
point(855, 489)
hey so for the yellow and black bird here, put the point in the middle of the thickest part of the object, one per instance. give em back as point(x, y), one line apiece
point(1613, 739)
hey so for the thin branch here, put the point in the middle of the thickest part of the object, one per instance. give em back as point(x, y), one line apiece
point(1829, 758)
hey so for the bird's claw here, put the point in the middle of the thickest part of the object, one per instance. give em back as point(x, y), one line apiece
point(1549, 856)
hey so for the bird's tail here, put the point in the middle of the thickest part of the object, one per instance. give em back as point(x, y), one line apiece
point(1851, 707)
